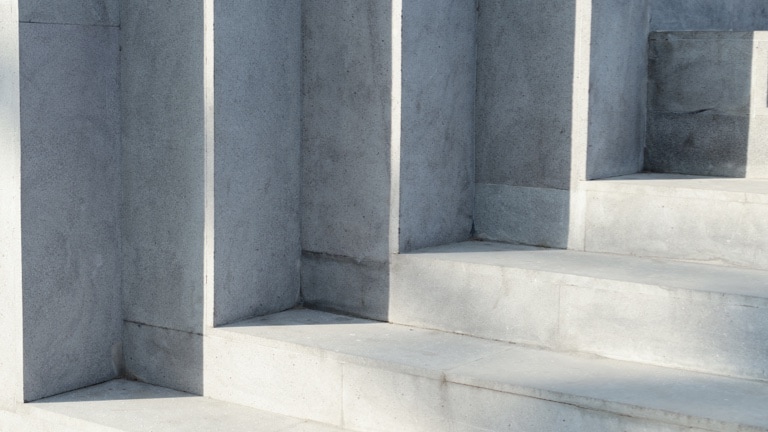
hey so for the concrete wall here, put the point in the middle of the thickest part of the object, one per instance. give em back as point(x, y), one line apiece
point(617, 90)
point(345, 160)
point(684, 15)
point(162, 113)
point(437, 140)
point(70, 194)
point(523, 120)
point(11, 316)
point(257, 148)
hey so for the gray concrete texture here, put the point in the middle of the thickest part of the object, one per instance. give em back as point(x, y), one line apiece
point(257, 148)
point(687, 15)
point(11, 356)
point(346, 89)
point(82, 12)
point(437, 141)
point(70, 192)
point(524, 92)
point(699, 91)
point(162, 159)
point(617, 94)
point(712, 220)
point(380, 377)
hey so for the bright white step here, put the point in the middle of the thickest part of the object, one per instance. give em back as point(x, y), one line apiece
point(373, 376)
point(705, 219)
point(670, 313)
point(128, 406)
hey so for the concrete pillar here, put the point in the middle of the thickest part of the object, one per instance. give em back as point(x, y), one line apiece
point(60, 228)
point(210, 115)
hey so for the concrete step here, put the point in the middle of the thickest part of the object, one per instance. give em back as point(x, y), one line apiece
point(669, 313)
point(707, 219)
point(129, 406)
point(373, 376)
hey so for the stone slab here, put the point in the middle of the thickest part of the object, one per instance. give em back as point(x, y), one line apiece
point(401, 376)
point(129, 406)
point(80, 12)
point(70, 201)
point(685, 315)
point(713, 220)
point(687, 15)
point(257, 143)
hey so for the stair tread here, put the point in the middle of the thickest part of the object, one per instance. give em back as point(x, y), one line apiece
point(752, 190)
point(122, 405)
point(664, 274)
point(633, 389)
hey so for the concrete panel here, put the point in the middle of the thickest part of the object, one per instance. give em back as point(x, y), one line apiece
point(524, 92)
point(164, 357)
point(712, 333)
point(483, 300)
point(257, 137)
point(83, 12)
point(436, 149)
point(617, 92)
point(701, 143)
point(343, 284)
point(643, 215)
point(534, 216)
point(70, 191)
point(297, 383)
point(11, 338)
point(346, 89)
point(686, 15)
point(162, 157)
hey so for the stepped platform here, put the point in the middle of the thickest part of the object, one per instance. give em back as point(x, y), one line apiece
point(372, 376)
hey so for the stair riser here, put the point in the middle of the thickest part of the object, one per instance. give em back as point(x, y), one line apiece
point(702, 229)
point(366, 398)
point(693, 330)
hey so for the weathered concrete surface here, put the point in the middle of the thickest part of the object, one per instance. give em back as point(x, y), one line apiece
point(11, 360)
point(398, 377)
point(617, 92)
point(523, 113)
point(129, 406)
point(70, 192)
point(524, 90)
point(345, 162)
point(527, 215)
point(686, 15)
point(716, 220)
point(162, 151)
point(699, 94)
point(162, 110)
point(164, 357)
point(83, 12)
point(257, 76)
point(436, 148)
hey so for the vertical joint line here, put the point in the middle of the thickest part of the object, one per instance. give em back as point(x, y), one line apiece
point(209, 178)
point(395, 125)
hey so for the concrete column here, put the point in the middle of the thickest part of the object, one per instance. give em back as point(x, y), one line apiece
point(11, 313)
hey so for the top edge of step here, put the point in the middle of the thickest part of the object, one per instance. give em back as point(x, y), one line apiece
point(130, 406)
point(670, 395)
point(653, 273)
point(746, 190)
